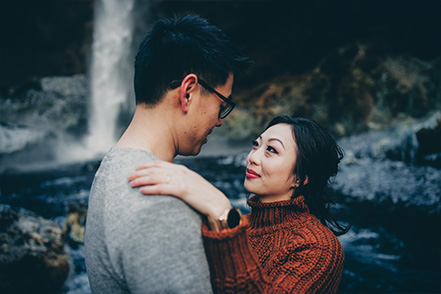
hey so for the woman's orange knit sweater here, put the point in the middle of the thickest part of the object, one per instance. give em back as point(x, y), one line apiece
point(279, 248)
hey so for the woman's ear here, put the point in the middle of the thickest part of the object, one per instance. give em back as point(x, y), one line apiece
point(297, 182)
point(187, 87)
point(306, 181)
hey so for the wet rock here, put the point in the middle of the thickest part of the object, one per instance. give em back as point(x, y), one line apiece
point(380, 168)
point(15, 138)
point(74, 225)
point(55, 38)
point(416, 142)
point(350, 91)
point(429, 140)
point(60, 105)
point(32, 255)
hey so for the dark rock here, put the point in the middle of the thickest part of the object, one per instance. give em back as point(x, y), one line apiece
point(20, 88)
point(60, 105)
point(415, 142)
point(352, 90)
point(16, 138)
point(74, 225)
point(382, 168)
point(41, 39)
point(429, 144)
point(32, 256)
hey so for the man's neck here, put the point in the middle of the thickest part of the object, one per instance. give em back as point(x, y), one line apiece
point(151, 129)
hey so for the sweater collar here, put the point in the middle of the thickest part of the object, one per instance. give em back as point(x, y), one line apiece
point(274, 213)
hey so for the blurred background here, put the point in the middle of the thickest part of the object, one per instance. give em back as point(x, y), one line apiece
point(369, 71)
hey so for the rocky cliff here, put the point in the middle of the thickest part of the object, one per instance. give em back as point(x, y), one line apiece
point(351, 65)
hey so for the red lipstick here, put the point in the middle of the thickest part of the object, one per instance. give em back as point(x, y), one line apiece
point(250, 174)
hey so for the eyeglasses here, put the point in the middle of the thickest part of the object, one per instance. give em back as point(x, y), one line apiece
point(224, 110)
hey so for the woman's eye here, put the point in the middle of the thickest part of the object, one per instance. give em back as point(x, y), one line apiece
point(271, 149)
point(254, 143)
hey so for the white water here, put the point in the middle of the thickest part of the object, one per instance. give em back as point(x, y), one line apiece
point(110, 90)
point(111, 72)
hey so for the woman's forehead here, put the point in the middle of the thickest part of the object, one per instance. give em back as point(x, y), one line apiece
point(282, 132)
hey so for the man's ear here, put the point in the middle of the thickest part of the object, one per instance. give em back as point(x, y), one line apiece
point(188, 86)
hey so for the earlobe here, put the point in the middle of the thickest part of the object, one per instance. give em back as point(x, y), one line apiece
point(184, 101)
point(187, 86)
point(296, 183)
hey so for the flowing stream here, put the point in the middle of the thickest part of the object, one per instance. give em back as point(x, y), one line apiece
point(391, 248)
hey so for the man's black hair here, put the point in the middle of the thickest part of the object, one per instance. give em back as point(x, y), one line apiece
point(176, 47)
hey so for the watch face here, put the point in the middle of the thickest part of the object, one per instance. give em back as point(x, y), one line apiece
point(233, 218)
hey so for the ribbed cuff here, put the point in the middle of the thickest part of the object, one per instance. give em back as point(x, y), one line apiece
point(228, 252)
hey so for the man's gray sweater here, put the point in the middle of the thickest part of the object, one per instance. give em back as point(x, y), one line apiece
point(141, 244)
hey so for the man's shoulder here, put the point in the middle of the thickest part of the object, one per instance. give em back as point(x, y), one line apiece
point(128, 205)
point(126, 157)
point(110, 188)
point(118, 163)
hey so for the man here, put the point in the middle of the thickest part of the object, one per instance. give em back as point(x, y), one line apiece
point(184, 72)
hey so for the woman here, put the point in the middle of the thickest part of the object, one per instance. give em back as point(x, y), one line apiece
point(288, 243)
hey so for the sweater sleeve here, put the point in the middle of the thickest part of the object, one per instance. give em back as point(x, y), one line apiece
point(303, 267)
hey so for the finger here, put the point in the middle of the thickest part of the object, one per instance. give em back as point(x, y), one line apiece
point(136, 175)
point(149, 180)
point(157, 163)
point(161, 164)
point(145, 172)
point(160, 189)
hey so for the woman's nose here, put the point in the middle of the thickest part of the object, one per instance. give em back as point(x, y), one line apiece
point(253, 157)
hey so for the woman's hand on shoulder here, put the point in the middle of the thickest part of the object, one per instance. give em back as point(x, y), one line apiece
point(164, 178)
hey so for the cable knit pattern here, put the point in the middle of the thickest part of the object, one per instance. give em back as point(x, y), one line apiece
point(279, 248)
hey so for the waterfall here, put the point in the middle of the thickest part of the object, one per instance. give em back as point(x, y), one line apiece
point(111, 72)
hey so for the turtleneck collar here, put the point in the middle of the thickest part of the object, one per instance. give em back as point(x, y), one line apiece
point(274, 213)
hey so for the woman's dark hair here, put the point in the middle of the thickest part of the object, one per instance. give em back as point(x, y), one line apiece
point(178, 46)
point(317, 160)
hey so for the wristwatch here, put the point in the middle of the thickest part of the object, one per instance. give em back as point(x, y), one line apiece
point(229, 219)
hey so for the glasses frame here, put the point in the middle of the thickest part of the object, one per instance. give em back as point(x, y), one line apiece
point(224, 111)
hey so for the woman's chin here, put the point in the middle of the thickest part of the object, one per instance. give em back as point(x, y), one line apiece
point(249, 189)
